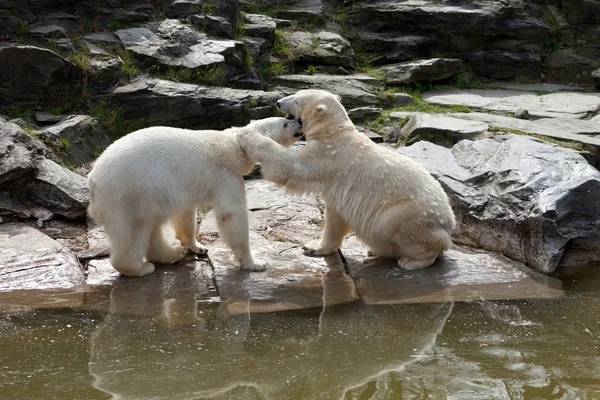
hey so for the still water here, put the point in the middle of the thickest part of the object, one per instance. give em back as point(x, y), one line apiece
point(533, 349)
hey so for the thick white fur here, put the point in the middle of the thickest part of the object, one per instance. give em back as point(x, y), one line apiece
point(162, 174)
point(392, 203)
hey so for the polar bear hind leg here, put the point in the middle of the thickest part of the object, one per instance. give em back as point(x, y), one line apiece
point(129, 243)
point(185, 230)
point(416, 253)
point(160, 250)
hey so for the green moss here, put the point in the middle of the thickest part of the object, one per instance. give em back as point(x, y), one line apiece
point(111, 120)
point(63, 145)
point(561, 143)
point(29, 130)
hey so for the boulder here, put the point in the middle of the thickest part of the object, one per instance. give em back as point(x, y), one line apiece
point(47, 118)
point(355, 90)
point(16, 148)
point(212, 24)
point(565, 105)
point(441, 129)
point(57, 188)
point(171, 43)
point(77, 139)
point(524, 198)
point(505, 64)
point(150, 101)
point(431, 70)
point(31, 260)
point(321, 48)
point(362, 114)
point(34, 75)
point(581, 11)
point(388, 49)
point(596, 77)
point(571, 66)
point(259, 25)
point(48, 31)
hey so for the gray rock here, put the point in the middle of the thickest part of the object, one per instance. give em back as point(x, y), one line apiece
point(571, 66)
point(152, 101)
point(171, 43)
point(214, 25)
point(596, 119)
point(32, 74)
point(180, 8)
point(103, 38)
point(522, 113)
point(259, 25)
point(566, 105)
point(48, 31)
point(12, 207)
point(31, 260)
point(321, 48)
point(441, 129)
point(537, 87)
point(398, 100)
point(460, 274)
point(95, 50)
point(389, 49)
point(431, 70)
point(361, 114)
point(302, 11)
point(505, 64)
point(374, 136)
point(77, 139)
point(531, 201)
point(596, 77)
point(576, 130)
point(581, 11)
point(47, 118)
point(16, 148)
point(355, 90)
point(58, 189)
point(255, 45)
point(104, 73)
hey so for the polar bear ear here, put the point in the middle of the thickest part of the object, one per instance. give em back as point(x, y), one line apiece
point(322, 108)
point(338, 97)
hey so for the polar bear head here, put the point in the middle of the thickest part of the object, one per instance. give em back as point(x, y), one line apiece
point(283, 131)
point(318, 110)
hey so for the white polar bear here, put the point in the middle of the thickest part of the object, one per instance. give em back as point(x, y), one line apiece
point(162, 174)
point(392, 203)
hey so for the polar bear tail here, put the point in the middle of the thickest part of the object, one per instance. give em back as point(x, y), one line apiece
point(439, 240)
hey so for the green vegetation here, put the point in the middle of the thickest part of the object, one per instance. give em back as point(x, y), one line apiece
point(63, 145)
point(252, 103)
point(20, 112)
point(29, 130)
point(208, 8)
point(421, 105)
point(115, 24)
point(270, 8)
point(112, 120)
point(274, 69)
point(567, 144)
point(22, 28)
point(340, 16)
point(248, 62)
point(239, 28)
point(129, 68)
point(364, 65)
point(280, 47)
point(310, 69)
point(81, 58)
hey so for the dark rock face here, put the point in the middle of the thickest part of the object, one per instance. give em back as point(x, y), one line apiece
point(505, 64)
point(511, 197)
point(77, 139)
point(154, 101)
point(596, 77)
point(32, 74)
point(32, 183)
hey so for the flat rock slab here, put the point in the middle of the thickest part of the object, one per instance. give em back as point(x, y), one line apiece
point(30, 259)
point(461, 274)
point(441, 129)
point(537, 87)
point(582, 131)
point(434, 69)
point(560, 104)
point(355, 90)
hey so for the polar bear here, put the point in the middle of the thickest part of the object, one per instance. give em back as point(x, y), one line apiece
point(392, 203)
point(162, 174)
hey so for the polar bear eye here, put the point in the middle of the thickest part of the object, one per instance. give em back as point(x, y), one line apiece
point(285, 125)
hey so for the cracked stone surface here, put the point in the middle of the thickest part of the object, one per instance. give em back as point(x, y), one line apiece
point(559, 104)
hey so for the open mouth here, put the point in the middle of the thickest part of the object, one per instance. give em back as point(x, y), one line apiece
point(289, 116)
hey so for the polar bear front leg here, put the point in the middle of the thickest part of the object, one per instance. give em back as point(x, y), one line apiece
point(334, 232)
point(160, 250)
point(185, 230)
point(232, 219)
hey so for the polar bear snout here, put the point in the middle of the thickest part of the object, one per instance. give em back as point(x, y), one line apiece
point(286, 106)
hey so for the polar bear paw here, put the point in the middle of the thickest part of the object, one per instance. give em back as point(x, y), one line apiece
point(255, 266)
point(315, 249)
point(198, 249)
point(412, 264)
point(171, 256)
